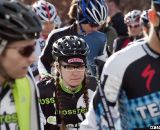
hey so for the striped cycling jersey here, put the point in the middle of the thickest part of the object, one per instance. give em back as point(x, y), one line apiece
point(130, 81)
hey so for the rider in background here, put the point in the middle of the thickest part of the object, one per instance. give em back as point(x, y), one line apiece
point(145, 23)
point(130, 81)
point(64, 98)
point(88, 17)
point(132, 20)
point(19, 27)
point(116, 17)
point(50, 20)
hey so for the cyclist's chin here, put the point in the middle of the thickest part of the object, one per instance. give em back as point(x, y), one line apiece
point(18, 76)
point(75, 83)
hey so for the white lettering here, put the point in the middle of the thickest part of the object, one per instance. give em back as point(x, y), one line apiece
point(142, 111)
point(153, 110)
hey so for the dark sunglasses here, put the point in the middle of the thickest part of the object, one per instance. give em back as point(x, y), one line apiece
point(134, 26)
point(25, 51)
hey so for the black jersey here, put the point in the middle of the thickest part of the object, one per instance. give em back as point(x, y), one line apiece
point(74, 108)
point(131, 78)
point(121, 42)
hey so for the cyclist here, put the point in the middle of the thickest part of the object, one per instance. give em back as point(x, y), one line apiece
point(132, 20)
point(18, 99)
point(130, 79)
point(89, 15)
point(50, 20)
point(116, 17)
point(64, 98)
point(145, 23)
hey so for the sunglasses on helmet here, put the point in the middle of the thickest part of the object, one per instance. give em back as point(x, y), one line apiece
point(24, 51)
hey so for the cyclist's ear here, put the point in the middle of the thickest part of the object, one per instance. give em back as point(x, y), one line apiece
point(152, 15)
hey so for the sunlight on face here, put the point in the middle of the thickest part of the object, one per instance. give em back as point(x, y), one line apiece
point(14, 63)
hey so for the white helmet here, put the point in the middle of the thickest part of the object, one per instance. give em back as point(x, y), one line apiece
point(132, 17)
point(45, 10)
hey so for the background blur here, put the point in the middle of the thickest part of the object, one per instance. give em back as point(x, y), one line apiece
point(126, 5)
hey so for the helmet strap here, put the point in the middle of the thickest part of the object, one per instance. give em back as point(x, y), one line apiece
point(3, 44)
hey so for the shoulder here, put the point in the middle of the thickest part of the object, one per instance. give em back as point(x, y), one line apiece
point(97, 37)
point(98, 33)
point(129, 51)
point(122, 38)
point(57, 33)
point(119, 61)
point(46, 82)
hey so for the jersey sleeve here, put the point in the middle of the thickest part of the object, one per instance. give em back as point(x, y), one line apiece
point(96, 119)
point(103, 112)
point(90, 122)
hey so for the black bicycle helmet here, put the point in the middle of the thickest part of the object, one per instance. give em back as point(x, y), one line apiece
point(69, 46)
point(144, 18)
point(93, 11)
point(18, 22)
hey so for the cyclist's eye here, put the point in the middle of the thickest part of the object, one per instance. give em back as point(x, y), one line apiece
point(68, 67)
point(71, 67)
point(80, 67)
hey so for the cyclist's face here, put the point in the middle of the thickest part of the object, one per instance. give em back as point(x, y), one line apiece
point(17, 57)
point(47, 28)
point(134, 29)
point(72, 75)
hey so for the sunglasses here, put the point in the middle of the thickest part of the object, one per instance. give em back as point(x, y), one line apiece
point(72, 68)
point(134, 26)
point(24, 51)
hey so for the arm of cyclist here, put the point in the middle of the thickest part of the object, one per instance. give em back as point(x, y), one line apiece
point(41, 68)
point(103, 112)
point(96, 116)
point(45, 60)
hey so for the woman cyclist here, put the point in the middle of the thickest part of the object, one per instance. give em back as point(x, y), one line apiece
point(64, 98)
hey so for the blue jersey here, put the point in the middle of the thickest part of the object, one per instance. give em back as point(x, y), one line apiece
point(96, 42)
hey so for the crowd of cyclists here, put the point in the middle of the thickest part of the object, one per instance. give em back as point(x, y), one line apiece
point(98, 72)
